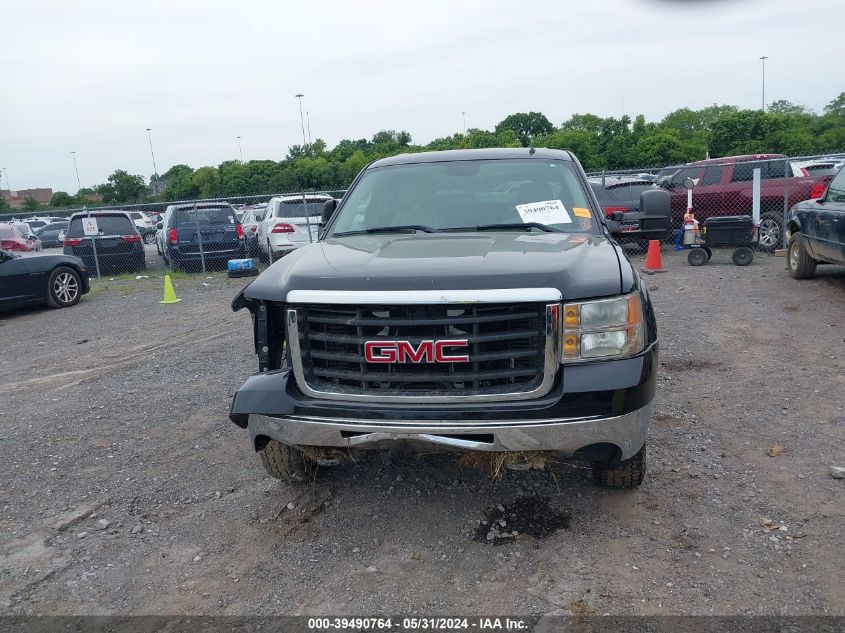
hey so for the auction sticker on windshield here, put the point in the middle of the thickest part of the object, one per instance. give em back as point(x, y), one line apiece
point(546, 212)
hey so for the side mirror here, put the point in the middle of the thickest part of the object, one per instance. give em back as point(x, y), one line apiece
point(329, 207)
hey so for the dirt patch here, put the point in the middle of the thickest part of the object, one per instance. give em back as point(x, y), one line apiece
point(691, 364)
point(668, 421)
point(527, 516)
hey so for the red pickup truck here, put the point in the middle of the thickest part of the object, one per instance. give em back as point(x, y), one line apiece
point(724, 187)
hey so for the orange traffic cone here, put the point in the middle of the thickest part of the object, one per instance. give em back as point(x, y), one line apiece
point(654, 260)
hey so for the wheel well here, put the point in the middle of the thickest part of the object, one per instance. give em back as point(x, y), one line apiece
point(602, 452)
point(70, 265)
point(260, 442)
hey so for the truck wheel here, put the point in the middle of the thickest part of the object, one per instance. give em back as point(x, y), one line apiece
point(628, 474)
point(284, 462)
point(771, 233)
point(743, 256)
point(697, 257)
point(801, 265)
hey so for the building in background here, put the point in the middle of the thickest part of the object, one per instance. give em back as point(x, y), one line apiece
point(15, 199)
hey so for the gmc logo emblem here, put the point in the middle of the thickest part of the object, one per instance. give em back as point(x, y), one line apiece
point(425, 352)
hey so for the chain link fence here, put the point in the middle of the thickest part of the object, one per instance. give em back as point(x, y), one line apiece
point(194, 236)
point(200, 236)
point(759, 187)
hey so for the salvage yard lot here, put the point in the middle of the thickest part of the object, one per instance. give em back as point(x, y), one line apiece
point(125, 489)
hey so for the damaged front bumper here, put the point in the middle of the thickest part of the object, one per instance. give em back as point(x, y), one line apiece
point(627, 432)
point(591, 405)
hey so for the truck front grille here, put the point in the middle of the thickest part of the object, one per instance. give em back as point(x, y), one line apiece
point(511, 349)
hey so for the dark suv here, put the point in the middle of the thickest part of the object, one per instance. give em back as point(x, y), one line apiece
point(118, 244)
point(192, 233)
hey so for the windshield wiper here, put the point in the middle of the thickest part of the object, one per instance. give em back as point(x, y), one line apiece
point(516, 226)
point(404, 228)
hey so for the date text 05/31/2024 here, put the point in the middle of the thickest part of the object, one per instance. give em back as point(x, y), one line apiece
point(417, 623)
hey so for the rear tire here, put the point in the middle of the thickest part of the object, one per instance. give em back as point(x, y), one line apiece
point(801, 265)
point(64, 288)
point(743, 256)
point(628, 474)
point(284, 462)
point(697, 257)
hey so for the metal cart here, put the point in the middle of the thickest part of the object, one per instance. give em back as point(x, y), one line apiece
point(734, 230)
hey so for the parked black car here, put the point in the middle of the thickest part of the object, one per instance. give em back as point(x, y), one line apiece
point(191, 233)
point(57, 280)
point(49, 234)
point(119, 245)
point(816, 231)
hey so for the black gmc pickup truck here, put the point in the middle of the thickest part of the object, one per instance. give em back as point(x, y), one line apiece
point(469, 300)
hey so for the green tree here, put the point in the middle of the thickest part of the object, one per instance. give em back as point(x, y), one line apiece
point(122, 187)
point(837, 106)
point(782, 106)
point(527, 125)
point(207, 182)
point(62, 199)
point(4, 206)
point(31, 204)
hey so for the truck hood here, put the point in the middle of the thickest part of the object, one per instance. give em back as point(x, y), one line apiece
point(579, 266)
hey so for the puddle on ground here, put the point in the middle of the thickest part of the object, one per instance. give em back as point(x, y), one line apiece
point(526, 516)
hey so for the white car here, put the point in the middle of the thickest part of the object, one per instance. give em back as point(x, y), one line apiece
point(290, 222)
point(145, 224)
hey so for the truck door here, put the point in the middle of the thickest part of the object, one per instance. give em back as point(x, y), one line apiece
point(830, 218)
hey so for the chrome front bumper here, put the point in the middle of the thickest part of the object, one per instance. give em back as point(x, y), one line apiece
point(566, 435)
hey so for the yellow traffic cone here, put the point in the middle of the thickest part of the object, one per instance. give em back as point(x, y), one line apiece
point(169, 293)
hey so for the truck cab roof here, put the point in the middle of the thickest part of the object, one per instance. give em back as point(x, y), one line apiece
point(497, 153)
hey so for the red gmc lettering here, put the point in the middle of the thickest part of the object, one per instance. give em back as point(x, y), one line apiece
point(380, 351)
point(405, 351)
point(408, 353)
point(442, 356)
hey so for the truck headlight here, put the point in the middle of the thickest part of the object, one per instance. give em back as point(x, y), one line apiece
point(607, 328)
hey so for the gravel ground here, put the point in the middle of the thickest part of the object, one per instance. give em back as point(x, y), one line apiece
point(126, 490)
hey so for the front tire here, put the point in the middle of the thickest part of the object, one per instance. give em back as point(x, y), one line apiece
point(697, 257)
point(801, 265)
point(63, 288)
point(628, 474)
point(284, 462)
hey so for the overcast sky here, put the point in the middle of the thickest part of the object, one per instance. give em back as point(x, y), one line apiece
point(90, 76)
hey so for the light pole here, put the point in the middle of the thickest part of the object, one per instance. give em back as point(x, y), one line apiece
point(308, 123)
point(763, 59)
point(302, 120)
point(240, 149)
point(76, 168)
point(464, 115)
point(152, 153)
point(8, 184)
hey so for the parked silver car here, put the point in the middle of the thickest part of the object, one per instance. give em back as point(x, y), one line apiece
point(290, 222)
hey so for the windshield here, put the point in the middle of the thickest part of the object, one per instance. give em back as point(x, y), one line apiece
point(204, 215)
point(462, 194)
